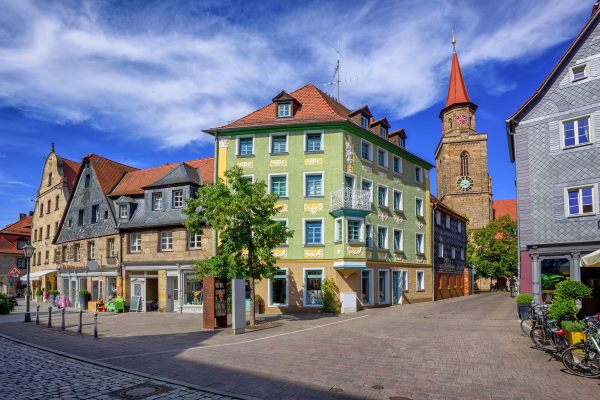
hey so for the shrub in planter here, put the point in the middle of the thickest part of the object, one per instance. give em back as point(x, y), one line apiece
point(331, 303)
point(564, 305)
point(5, 305)
point(39, 292)
point(524, 305)
point(573, 330)
point(83, 298)
point(259, 304)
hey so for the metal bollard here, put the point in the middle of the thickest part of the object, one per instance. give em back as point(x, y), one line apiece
point(95, 325)
point(80, 321)
point(62, 321)
point(37, 314)
point(50, 317)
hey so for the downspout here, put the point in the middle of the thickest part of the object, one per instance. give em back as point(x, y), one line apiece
point(432, 249)
point(216, 178)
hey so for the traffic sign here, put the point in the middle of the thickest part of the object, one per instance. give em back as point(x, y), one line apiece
point(14, 271)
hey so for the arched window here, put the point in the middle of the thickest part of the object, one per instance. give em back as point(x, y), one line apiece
point(450, 123)
point(464, 163)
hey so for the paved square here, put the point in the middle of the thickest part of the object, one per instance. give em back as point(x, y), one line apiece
point(463, 348)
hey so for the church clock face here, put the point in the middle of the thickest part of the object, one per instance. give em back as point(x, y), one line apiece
point(464, 183)
point(462, 119)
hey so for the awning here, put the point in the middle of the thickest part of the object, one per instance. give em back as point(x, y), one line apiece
point(591, 260)
point(37, 275)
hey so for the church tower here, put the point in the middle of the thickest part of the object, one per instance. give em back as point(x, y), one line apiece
point(463, 182)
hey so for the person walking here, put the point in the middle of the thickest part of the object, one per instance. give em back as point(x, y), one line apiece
point(512, 283)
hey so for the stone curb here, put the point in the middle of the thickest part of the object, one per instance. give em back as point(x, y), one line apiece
point(129, 371)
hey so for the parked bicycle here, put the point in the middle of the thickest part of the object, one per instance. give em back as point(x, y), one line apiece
point(538, 312)
point(583, 358)
point(550, 337)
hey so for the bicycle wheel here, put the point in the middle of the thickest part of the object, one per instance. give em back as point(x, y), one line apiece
point(537, 336)
point(581, 362)
point(526, 325)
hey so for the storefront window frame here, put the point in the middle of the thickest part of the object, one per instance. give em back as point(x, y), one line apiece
point(278, 275)
point(305, 284)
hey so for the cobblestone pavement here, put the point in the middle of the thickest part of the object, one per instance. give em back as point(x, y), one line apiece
point(30, 373)
point(464, 348)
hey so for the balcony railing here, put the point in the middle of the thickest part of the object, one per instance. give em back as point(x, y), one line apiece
point(351, 199)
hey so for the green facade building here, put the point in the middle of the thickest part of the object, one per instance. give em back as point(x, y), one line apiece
point(356, 199)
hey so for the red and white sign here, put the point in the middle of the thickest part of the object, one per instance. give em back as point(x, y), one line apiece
point(14, 271)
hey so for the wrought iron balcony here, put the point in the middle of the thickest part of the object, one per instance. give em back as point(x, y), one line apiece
point(348, 201)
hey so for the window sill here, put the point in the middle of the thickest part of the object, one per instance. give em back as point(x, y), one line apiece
point(314, 151)
point(194, 248)
point(283, 153)
point(282, 197)
point(582, 215)
point(313, 245)
point(245, 155)
point(366, 160)
point(575, 146)
point(314, 197)
point(277, 305)
point(313, 305)
point(165, 251)
point(579, 79)
point(356, 242)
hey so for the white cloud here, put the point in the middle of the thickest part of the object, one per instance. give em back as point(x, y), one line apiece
point(166, 82)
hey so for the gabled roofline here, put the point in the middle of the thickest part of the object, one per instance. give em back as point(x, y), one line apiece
point(513, 120)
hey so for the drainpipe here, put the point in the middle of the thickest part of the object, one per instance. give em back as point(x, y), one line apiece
point(432, 250)
point(180, 288)
point(511, 133)
point(216, 177)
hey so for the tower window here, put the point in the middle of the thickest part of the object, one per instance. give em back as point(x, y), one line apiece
point(464, 163)
point(450, 123)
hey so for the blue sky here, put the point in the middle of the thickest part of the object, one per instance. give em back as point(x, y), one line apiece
point(137, 81)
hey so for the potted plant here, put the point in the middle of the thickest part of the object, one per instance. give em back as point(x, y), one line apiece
point(524, 305)
point(39, 295)
point(259, 304)
point(573, 331)
point(6, 306)
point(83, 299)
point(53, 294)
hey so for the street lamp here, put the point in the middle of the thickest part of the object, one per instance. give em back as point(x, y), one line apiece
point(28, 250)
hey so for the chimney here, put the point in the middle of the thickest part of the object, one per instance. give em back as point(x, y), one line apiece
point(22, 216)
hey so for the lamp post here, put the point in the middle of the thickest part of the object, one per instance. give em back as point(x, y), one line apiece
point(28, 250)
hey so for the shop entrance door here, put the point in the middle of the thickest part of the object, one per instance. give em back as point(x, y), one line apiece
point(171, 283)
point(395, 287)
point(138, 288)
point(73, 292)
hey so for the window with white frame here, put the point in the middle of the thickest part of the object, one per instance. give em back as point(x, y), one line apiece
point(462, 254)
point(123, 211)
point(77, 252)
point(578, 72)
point(366, 284)
point(576, 132)
point(166, 241)
point(135, 242)
point(313, 184)
point(339, 231)
point(382, 237)
point(459, 226)
point(366, 151)
point(313, 232)
point(369, 234)
point(178, 198)
point(382, 199)
point(91, 250)
point(368, 186)
point(112, 250)
point(353, 230)
point(245, 146)
point(364, 122)
point(438, 218)
point(419, 243)
point(397, 165)
point(157, 201)
point(419, 174)
point(398, 206)
point(384, 276)
point(381, 158)
point(384, 132)
point(580, 201)
point(278, 288)
point(194, 241)
point(420, 280)
point(419, 209)
point(314, 142)
point(404, 280)
point(448, 221)
point(313, 282)
point(398, 240)
point(278, 185)
point(453, 253)
point(440, 249)
point(284, 110)
point(279, 144)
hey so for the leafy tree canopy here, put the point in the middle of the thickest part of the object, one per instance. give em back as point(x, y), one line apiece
point(493, 248)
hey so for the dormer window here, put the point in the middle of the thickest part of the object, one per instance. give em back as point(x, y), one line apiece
point(403, 143)
point(123, 211)
point(178, 198)
point(284, 110)
point(87, 181)
point(578, 72)
point(384, 132)
point(364, 122)
point(157, 201)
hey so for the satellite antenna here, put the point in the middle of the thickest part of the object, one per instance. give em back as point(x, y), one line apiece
point(336, 75)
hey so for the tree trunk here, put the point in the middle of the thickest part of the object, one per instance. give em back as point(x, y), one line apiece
point(251, 273)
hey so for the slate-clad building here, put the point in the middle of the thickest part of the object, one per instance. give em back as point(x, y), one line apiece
point(122, 234)
point(554, 143)
point(11, 257)
point(452, 277)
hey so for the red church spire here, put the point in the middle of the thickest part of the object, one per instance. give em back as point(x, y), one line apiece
point(457, 91)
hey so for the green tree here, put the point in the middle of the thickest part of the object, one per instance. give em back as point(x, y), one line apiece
point(493, 248)
point(242, 213)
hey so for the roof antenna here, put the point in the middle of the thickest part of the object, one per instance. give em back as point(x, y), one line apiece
point(337, 75)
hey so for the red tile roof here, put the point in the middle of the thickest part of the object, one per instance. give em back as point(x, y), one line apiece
point(70, 171)
point(21, 227)
point(457, 91)
point(134, 182)
point(108, 172)
point(505, 207)
point(315, 106)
